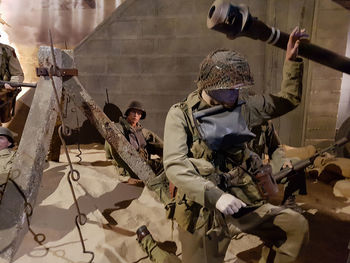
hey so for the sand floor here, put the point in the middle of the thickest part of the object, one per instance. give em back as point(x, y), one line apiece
point(102, 197)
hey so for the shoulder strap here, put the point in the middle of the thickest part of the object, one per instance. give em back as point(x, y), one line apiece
point(192, 130)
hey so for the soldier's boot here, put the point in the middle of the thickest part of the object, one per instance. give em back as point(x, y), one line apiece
point(150, 246)
point(291, 203)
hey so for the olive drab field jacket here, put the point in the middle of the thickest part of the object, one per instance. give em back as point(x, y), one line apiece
point(188, 161)
point(10, 70)
point(6, 159)
point(10, 67)
point(146, 142)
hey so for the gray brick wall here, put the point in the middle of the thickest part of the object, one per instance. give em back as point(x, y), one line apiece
point(330, 29)
point(150, 50)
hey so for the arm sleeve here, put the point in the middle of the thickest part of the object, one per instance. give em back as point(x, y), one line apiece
point(260, 108)
point(154, 142)
point(15, 68)
point(179, 169)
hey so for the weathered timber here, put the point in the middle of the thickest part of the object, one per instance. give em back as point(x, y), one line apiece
point(29, 162)
point(105, 126)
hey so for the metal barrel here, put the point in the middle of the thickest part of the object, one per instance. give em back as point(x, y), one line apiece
point(18, 84)
point(236, 21)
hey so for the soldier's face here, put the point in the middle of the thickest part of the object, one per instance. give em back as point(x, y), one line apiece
point(4, 142)
point(134, 117)
point(227, 100)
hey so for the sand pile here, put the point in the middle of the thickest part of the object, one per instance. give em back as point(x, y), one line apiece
point(102, 197)
point(98, 192)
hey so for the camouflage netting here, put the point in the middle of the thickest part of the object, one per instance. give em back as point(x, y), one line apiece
point(224, 69)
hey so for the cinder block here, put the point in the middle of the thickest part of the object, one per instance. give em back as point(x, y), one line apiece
point(256, 63)
point(159, 101)
point(101, 33)
point(335, 44)
point(124, 29)
point(248, 47)
point(329, 20)
point(325, 97)
point(191, 25)
point(90, 65)
point(158, 27)
point(203, 6)
point(138, 85)
point(327, 4)
point(319, 143)
point(97, 48)
point(179, 46)
point(125, 65)
point(135, 46)
point(141, 9)
point(257, 8)
point(112, 83)
point(188, 64)
point(89, 82)
point(174, 7)
point(208, 44)
point(319, 127)
point(176, 84)
point(320, 71)
point(159, 84)
point(330, 85)
point(158, 65)
point(328, 109)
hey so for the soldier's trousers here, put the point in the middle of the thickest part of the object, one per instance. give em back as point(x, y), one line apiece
point(155, 253)
point(283, 232)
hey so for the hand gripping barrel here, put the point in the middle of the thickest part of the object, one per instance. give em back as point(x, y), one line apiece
point(236, 21)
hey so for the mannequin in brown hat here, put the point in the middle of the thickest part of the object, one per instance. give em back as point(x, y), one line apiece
point(146, 142)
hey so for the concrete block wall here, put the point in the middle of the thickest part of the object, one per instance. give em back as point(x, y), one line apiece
point(344, 102)
point(285, 15)
point(330, 30)
point(150, 50)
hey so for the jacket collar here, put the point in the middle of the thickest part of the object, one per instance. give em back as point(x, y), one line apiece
point(5, 152)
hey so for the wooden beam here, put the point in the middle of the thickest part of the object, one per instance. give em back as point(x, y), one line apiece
point(27, 168)
point(131, 158)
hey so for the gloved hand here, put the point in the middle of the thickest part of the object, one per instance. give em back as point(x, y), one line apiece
point(228, 204)
point(9, 87)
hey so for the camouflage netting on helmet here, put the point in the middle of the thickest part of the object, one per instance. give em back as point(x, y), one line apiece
point(224, 69)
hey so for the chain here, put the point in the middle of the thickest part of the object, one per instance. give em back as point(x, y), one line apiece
point(74, 110)
point(73, 175)
point(67, 98)
point(28, 208)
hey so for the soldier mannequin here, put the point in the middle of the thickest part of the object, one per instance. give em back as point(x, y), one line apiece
point(10, 71)
point(207, 216)
point(144, 141)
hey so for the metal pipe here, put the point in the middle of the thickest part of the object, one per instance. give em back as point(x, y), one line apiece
point(236, 21)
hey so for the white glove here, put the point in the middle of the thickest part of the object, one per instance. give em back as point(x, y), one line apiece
point(228, 204)
point(8, 86)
